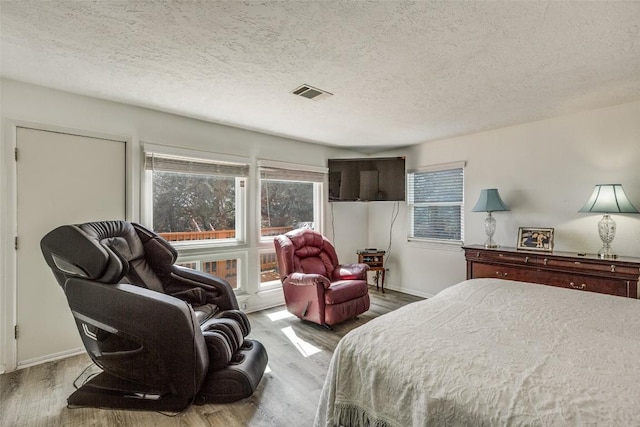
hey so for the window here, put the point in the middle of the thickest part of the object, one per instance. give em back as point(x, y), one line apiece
point(290, 197)
point(269, 274)
point(226, 265)
point(195, 196)
point(436, 203)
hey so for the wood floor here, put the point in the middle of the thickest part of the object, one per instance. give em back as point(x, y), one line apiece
point(287, 395)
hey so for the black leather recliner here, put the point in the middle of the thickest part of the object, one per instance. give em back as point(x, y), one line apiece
point(165, 336)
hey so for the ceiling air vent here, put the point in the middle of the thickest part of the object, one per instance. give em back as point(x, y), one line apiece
point(311, 92)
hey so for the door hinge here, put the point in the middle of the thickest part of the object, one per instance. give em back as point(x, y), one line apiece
point(15, 332)
point(15, 243)
point(15, 153)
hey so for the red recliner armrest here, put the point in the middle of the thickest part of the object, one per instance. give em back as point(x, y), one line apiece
point(350, 272)
point(302, 279)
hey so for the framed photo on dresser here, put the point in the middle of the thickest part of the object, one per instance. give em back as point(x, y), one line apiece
point(535, 239)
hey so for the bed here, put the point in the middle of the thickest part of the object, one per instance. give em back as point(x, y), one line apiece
point(489, 352)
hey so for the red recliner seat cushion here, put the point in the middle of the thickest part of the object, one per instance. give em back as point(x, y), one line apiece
point(345, 290)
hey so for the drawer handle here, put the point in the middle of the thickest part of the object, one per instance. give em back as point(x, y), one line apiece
point(546, 261)
point(526, 259)
point(613, 268)
point(574, 286)
point(499, 274)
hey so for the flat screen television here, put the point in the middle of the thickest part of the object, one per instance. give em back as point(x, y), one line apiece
point(370, 179)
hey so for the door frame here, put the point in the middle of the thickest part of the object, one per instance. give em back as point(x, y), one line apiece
point(9, 221)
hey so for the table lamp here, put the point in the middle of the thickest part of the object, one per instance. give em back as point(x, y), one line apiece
point(606, 199)
point(490, 201)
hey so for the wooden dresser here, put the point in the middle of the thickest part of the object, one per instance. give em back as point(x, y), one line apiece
point(620, 276)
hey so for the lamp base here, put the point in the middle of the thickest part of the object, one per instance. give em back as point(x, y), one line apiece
point(607, 231)
point(607, 253)
point(490, 229)
point(490, 243)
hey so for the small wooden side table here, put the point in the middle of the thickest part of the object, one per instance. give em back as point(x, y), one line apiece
point(375, 260)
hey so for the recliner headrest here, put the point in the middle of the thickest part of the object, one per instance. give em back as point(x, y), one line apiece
point(72, 252)
point(306, 242)
point(107, 251)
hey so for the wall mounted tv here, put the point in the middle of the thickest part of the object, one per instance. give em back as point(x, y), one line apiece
point(371, 179)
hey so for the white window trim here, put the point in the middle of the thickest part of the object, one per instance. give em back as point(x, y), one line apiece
point(452, 245)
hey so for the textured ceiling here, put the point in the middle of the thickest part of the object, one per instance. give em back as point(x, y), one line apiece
point(401, 72)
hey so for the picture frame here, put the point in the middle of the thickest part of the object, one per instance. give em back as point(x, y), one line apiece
point(535, 239)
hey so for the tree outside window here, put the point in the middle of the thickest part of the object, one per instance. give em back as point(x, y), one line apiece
point(194, 203)
point(194, 199)
point(285, 205)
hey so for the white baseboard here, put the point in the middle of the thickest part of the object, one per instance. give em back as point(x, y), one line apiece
point(50, 357)
point(409, 292)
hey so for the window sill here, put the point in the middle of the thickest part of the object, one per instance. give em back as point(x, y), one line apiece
point(453, 246)
point(269, 286)
point(188, 247)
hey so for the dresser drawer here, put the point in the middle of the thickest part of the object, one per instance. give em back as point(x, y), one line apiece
point(577, 265)
point(584, 283)
point(602, 268)
point(512, 258)
point(496, 271)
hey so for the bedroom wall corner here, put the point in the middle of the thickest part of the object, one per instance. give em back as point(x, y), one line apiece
point(545, 172)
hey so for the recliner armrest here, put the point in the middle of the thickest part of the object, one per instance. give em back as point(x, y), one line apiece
point(150, 318)
point(350, 272)
point(302, 279)
point(218, 291)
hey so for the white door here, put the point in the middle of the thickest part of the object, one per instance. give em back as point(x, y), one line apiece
point(61, 179)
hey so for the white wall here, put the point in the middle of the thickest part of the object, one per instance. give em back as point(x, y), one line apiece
point(545, 171)
point(29, 105)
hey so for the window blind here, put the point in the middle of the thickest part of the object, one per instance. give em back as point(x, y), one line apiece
point(167, 163)
point(282, 174)
point(436, 202)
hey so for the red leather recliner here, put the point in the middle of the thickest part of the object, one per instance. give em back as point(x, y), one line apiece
point(316, 287)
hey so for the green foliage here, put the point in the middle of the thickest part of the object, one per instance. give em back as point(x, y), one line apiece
point(190, 202)
point(286, 203)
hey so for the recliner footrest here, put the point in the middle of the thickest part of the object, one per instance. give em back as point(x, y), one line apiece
point(219, 349)
point(238, 316)
point(236, 381)
point(229, 327)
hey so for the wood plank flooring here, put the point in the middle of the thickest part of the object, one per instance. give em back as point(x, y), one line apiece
point(287, 395)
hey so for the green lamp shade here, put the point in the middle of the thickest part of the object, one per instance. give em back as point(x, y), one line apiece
point(608, 198)
point(490, 201)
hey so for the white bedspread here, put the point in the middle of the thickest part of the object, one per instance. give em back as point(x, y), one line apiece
point(491, 353)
